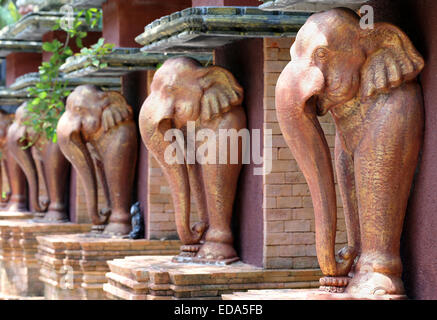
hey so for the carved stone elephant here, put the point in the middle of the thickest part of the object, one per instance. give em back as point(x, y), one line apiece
point(16, 198)
point(366, 78)
point(97, 134)
point(184, 92)
point(43, 160)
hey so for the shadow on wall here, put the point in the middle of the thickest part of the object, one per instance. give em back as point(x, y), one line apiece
point(245, 60)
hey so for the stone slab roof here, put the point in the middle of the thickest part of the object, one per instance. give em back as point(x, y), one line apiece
point(10, 46)
point(13, 98)
point(120, 62)
point(309, 5)
point(34, 25)
point(56, 4)
point(206, 28)
point(44, 5)
point(30, 79)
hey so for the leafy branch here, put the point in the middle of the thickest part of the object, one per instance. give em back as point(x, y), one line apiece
point(49, 94)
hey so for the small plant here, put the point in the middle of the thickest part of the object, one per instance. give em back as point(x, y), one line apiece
point(8, 13)
point(96, 52)
point(49, 94)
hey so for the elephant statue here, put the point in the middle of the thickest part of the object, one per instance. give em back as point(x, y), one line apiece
point(366, 78)
point(184, 93)
point(42, 162)
point(16, 198)
point(98, 135)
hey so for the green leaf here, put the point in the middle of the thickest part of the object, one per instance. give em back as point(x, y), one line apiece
point(42, 95)
point(48, 46)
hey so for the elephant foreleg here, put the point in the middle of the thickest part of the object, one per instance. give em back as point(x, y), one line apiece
point(220, 183)
point(346, 182)
point(385, 162)
point(98, 164)
point(119, 153)
point(17, 184)
point(196, 186)
point(42, 179)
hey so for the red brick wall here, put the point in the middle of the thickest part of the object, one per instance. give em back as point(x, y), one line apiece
point(19, 63)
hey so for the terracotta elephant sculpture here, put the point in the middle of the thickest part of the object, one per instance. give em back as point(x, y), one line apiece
point(184, 92)
point(16, 198)
point(366, 78)
point(97, 134)
point(42, 161)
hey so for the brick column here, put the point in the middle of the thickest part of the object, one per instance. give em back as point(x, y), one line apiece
point(289, 238)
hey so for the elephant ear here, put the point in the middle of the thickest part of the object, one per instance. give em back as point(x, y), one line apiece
point(391, 59)
point(221, 92)
point(116, 110)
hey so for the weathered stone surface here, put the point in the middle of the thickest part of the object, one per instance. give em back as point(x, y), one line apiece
point(30, 79)
point(9, 46)
point(120, 62)
point(12, 97)
point(309, 5)
point(74, 266)
point(87, 3)
point(303, 294)
point(205, 28)
point(157, 278)
point(19, 269)
point(34, 25)
point(15, 215)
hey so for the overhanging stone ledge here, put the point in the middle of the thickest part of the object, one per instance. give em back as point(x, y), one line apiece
point(206, 28)
point(310, 5)
point(120, 62)
point(34, 25)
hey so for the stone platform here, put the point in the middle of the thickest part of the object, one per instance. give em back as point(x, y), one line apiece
point(15, 215)
point(304, 294)
point(158, 278)
point(19, 269)
point(73, 267)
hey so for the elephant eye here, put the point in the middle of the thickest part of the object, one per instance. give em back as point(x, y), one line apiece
point(321, 53)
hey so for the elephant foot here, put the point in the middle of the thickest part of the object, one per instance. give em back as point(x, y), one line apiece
point(55, 216)
point(117, 229)
point(334, 284)
point(216, 251)
point(370, 283)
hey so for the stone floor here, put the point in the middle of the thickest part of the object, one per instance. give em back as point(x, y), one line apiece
point(15, 215)
point(74, 266)
point(303, 294)
point(19, 269)
point(154, 277)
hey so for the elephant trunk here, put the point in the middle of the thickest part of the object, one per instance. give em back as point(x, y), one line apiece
point(75, 150)
point(152, 132)
point(296, 111)
point(24, 158)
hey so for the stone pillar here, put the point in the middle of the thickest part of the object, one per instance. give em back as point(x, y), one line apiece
point(19, 63)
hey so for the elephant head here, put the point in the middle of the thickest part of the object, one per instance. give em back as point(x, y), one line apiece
point(18, 137)
point(333, 62)
point(181, 91)
point(90, 116)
